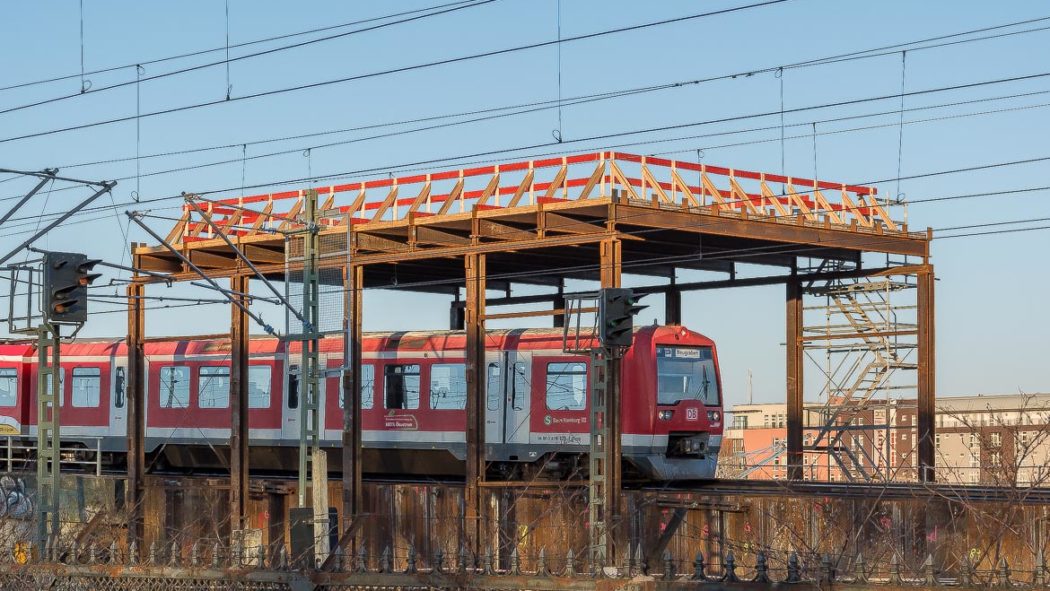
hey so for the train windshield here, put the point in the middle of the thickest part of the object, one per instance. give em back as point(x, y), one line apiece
point(686, 373)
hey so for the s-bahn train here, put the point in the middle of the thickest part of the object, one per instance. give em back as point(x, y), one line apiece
point(413, 399)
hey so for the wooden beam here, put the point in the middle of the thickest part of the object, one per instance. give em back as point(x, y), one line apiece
point(525, 185)
point(372, 242)
point(554, 222)
point(203, 258)
point(455, 195)
point(492, 229)
point(149, 262)
point(391, 197)
point(431, 235)
point(263, 254)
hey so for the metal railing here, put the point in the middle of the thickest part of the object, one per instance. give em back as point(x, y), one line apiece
point(87, 455)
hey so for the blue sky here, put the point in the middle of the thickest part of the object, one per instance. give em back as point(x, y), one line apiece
point(992, 320)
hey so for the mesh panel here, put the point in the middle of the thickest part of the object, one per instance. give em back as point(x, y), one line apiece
point(332, 256)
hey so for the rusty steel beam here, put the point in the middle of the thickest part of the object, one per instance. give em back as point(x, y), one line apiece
point(795, 360)
point(475, 405)
point(136, 405)
point(927, 391)
point(239, 441)
point(354, 281)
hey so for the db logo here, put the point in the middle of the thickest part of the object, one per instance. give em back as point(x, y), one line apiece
point(692, 414)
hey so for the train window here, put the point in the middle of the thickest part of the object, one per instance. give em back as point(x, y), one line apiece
point(368, 382)
point(119, 386)
point(368, 385)
point(293, 386)
point(492, 386)
point(566, 386)
point(213, 386)
point(174, 387)
point(87, 384)
point(8, 386)
point(401, 385)
point(448, 386)
point(519, 387)
point(686, 373)
point(259, 386)
point(61, 384)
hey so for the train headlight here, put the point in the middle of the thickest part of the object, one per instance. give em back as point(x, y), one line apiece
point(714, 416)
point(665, 415)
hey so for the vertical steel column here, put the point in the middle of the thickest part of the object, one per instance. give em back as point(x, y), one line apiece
point(136, 404)
point(48, 435)
point(610, 277)
point(310, 370)
point(475, 411)
point(353, 284)
point(673, 306)
point(795, 358)
point(239, 441)
point(927, 394)
point(559, 304)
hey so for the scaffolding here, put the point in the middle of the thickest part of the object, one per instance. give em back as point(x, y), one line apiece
point(862, 335)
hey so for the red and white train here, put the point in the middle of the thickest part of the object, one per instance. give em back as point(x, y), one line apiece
point(414, 392)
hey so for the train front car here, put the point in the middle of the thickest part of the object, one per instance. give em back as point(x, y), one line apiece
point(672, 404)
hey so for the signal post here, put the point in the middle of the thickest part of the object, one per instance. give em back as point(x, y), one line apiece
point(66, 277)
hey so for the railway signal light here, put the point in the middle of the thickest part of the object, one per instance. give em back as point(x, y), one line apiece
point(67, 276)
point(616, 309)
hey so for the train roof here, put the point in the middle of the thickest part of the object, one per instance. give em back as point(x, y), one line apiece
point(429, 340)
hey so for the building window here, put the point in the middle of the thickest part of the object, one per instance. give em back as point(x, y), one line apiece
point(448, 386)
point(740, 422)
point(8, 386)
point(174, 387)
point(259, 386)
point(401, 384)
point(997, 439)
point(566, 386)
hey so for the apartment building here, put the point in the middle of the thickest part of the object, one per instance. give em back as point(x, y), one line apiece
point(990, 439)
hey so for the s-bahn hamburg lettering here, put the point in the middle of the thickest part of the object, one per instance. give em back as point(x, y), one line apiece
point(413, 398)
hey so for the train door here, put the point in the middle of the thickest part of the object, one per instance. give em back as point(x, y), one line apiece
point(293, 398)
point(517, 400)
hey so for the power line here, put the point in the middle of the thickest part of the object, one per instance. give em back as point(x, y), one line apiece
point(224, 47)
point(242, 159)
point(368, 75)
point(813, 62)
point(227, 61)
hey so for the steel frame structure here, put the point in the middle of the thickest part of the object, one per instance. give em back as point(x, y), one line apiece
point(589, 216)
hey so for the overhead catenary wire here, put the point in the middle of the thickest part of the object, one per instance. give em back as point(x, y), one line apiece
point(854, 55)
point(611, 94)
point(185, 55)
point(310, 177)
point(425, 65)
